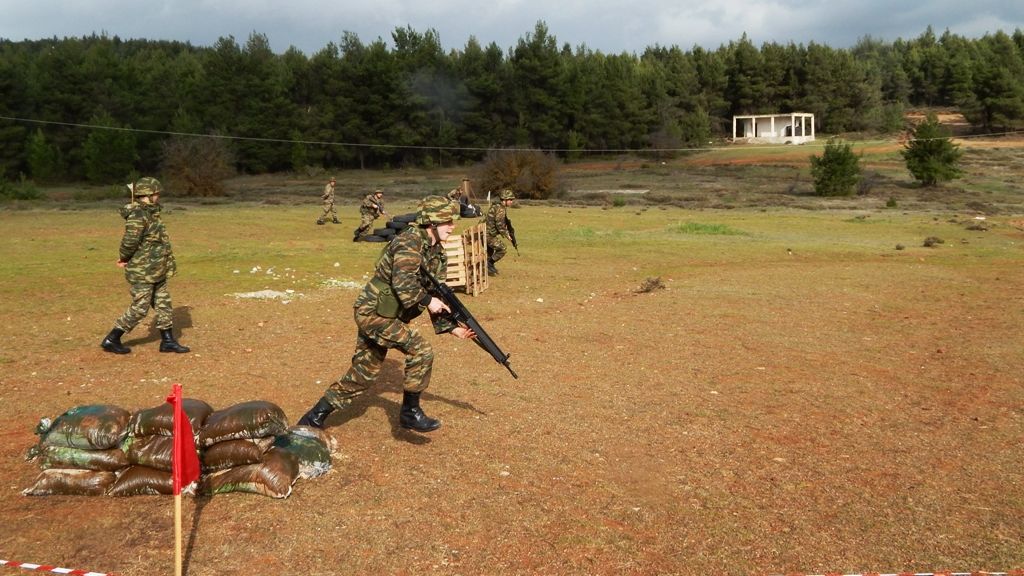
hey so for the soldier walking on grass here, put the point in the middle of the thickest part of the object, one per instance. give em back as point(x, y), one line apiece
point(498, 226)
point(395, 296)
point(371, 208)
point(148, 262)
point(328, 198)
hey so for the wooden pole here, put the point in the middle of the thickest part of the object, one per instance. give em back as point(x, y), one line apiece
point(177, 534)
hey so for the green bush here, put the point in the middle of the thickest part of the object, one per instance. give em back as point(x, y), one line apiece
point(23, 190)
point(931, 155)
point(706, 229)
point(837, 171)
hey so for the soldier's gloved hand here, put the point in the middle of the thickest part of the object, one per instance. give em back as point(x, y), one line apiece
point(437, 306)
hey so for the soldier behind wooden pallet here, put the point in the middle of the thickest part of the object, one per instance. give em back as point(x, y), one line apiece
point(497, 226)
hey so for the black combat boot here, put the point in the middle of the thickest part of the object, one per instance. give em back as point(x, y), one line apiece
point(492, 270)
point(335, 221)
point(317, 414)
point(412, 416)
point(320, 222)
point(112, 343)
point(169, 344)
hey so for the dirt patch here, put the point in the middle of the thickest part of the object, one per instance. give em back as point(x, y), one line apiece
point(789, 402)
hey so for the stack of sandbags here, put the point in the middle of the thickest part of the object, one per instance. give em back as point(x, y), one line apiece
point(238, 452)
point(79, 452)
point(101, 449)
point(149, 448)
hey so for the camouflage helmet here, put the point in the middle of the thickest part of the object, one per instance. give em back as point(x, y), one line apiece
point(507, 194)
point(436, 210)
point(147, 186)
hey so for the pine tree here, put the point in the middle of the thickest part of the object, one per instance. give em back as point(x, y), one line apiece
point(931, 156)
point(836, 171)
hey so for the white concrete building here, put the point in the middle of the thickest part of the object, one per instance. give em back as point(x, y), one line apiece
point(791, 128)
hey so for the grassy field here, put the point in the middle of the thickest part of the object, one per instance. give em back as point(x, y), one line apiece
point(811, 391)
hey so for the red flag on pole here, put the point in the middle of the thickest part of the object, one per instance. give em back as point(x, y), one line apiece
point(185, 462)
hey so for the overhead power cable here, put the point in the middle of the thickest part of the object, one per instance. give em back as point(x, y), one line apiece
point(455, 148)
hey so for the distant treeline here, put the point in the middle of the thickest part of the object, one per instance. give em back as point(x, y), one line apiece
point(374, 105)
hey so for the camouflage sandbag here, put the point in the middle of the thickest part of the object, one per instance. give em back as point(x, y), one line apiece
point(310, 446)
point(69, 482)
point(159, 420)
point(272, 477)
point(64, 457)
point(142, 481)
point(152, 451)
point(232, 453)
point(90, 427)
point(255, 419)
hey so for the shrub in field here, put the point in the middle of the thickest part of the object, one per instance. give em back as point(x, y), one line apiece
point(932, 241)
point(931, 155)
point(23, 190)
point(197, 166)
point(650, 285)
point(836, 171)
point(706, 229)
point(528, 173)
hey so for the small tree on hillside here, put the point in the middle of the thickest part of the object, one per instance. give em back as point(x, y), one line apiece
point(931, 155)
point(837, 171)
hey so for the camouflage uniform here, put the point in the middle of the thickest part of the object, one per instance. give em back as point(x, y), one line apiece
point(394, 296)
point(371, 208)
point(398, 270)
point(328, 198)
point(497, 227)
point(148, 261)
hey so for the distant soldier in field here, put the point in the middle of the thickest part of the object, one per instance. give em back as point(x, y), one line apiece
point(371, 208)
point(395, 296)
point(455, 195)
point(148, 262)
point(328, 198)
point(498, 227)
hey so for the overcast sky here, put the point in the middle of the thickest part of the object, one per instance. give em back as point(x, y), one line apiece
point(610, 27)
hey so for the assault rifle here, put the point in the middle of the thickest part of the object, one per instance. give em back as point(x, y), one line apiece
point(463, 316)
point(512, 235)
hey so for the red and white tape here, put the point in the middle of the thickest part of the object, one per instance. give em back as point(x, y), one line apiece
point(53, 569)
point(977, 573)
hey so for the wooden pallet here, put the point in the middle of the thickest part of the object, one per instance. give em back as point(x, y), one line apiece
point(467, 260)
